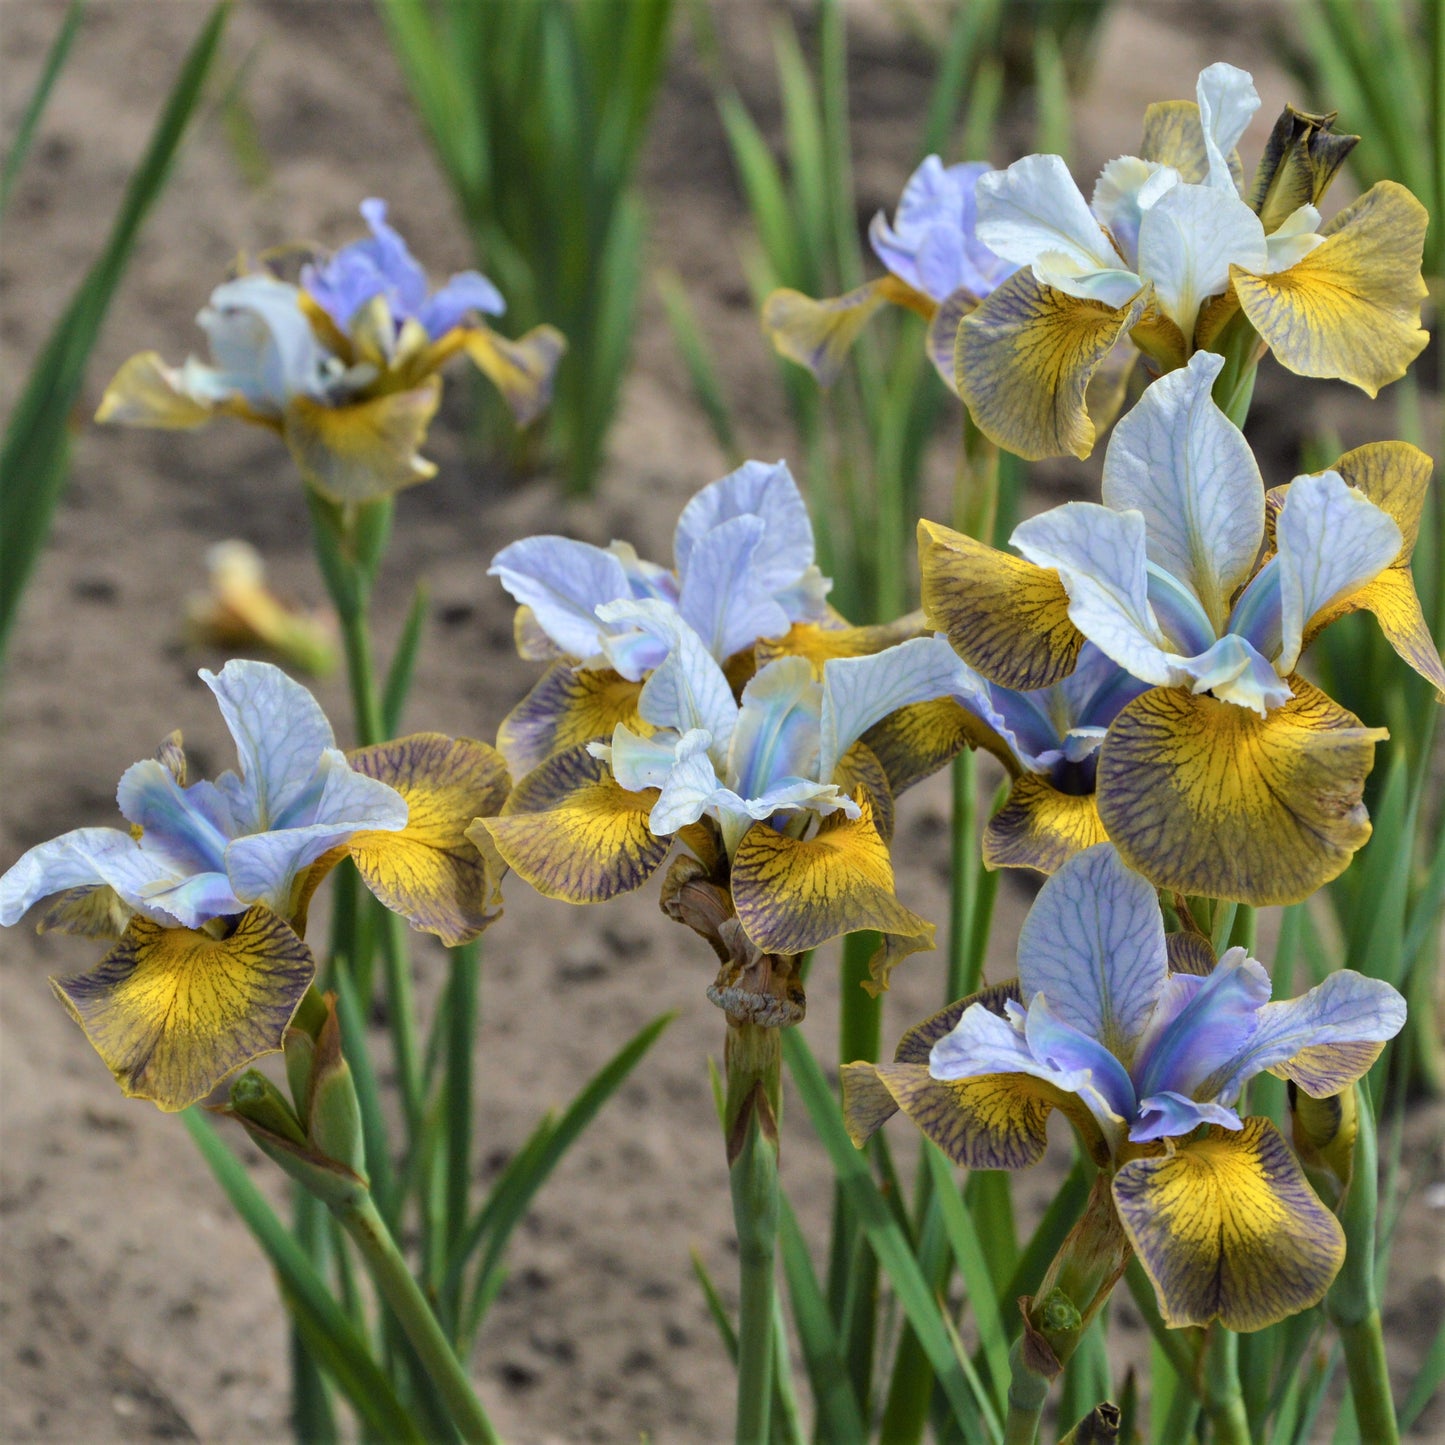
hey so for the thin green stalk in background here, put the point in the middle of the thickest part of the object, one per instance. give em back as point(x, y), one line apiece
point(35, 453)
point(39, 97)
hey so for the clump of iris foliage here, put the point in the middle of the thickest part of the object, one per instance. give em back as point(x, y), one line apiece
point(733, 725)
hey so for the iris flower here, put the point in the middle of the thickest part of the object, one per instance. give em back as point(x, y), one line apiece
point(1230, 776)
point(937, 267)
point(743, 570)
point(208, 889)
point(1170, 251)
point(786, 813)
point(1149, 1067)
point(344, 366)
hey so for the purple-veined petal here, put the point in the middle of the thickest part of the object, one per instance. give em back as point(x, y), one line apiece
point(1167, 1115)
point(563, 582)
point(187, 828)
point(777, 734)
point(724, 597)
point(1093, 945)
point(1180, 461)
point(1106, 1088)
point(81, 858)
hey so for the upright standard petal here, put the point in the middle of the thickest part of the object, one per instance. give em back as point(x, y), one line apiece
point(1101, 557)
point(563, 582)
point(1093, 945)
point(1331, 541)
point(1227, 101)
point(1351, 308)
point(280, 734)
point(726, 598)
point(1181, 462)
point(1034, 208)
point(173, 1012)
point(1228, 1228)
point(777, 729)
point(1205, 797)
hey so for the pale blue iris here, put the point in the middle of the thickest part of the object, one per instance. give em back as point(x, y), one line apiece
point(1153, 1055)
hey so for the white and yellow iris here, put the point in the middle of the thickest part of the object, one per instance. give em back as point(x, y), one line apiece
point(776, 794)
point(1148, 1065)
point(207, 891)
point(1166, 255)
point(1229, 776)
point(343, 366)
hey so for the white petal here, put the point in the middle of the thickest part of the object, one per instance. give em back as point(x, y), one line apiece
point(1188, 239)
point(726, 597)
point(1126, 188)
point(1332, 539)
point(1180, 461)
point(1034, 207)
point(1227, 100)
point(1293, 239)
point(777, 735)
point(1114, 286)
point(1100, 554)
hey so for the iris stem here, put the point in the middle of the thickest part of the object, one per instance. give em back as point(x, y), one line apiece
point(1223, 1399)
point(753, 1062)
point(394, 1280)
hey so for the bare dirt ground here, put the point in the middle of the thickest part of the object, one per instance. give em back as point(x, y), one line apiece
point(133, 1305)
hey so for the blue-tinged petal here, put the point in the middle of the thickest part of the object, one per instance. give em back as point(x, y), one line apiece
point(380, 265)
point(1188, 239)
point(807, 599)
point(1093, 944)
point(1106, 1086)
point(777, 729)
point(194, 900)
point(1168, 1115)
point(1112, 286)
point(1178, 612)
point(1227, 100)
point(1347, 1008)
point(1100, 555)
point(1098, 690)
point(1331, 541)
point(1201, 1025)
point(188, 828)
point(81, 858)
point(1180, 461)
point(280, 734)
point(1034, 207)
point(262, 345)
point(464, 293)
point(644, 578)
point(1024, 721)
point(1258, 616)
point(563, 582)
point(725, 597)
point(690, 787)
point(1126, 188)
point(688, 689)
point(637, 762)
point(1234, 672)
point(761, 489)
point(860, 691)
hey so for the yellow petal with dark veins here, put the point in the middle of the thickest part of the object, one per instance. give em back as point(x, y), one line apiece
point(1228, 1228)
point(818, 334)
point(574, 834)
point(998, 1121)
point(858, 768)
point(1174, 136)
point(1023, 361)
point(1040, 827)
point(430, 872)
point(144, 393)
point(173, 1011)
point(793, 894)
point(365, 450)
point(522, 370)
point(818, 643)
point(915, 741)
point(566, 706)
point(1350, 309)
point(93, 911)
point(1204, 797)
point(1005, 617)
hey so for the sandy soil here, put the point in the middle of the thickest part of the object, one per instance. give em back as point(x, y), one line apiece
point(132, 1305)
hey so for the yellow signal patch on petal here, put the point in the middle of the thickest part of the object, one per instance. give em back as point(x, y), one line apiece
point(574, 834)
point(1205, 797)
point(366, 450)
point(858, 768)
point(818, 643)
point(915, 741)
point(566, 706)
point(1351, 307)
point(818, 335)
point(431, 872)
point(1174, 136)
point(793, 894)
point(173, 1011)
point(998, 1121)
point(1228, 1228)
point(143, 393)
point(1040, 827)
point(1023, 360)
point(522, 370)
point(1005, 617)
